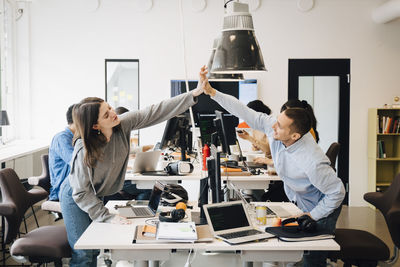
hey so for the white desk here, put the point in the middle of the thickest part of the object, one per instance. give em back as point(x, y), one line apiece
point(243, 182)
point(118, 239)
point(20, 148)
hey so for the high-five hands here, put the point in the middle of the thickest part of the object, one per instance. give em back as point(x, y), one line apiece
point(203, 81)
point(199, 90)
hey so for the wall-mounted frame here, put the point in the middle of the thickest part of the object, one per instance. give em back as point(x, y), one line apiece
point(122, 86)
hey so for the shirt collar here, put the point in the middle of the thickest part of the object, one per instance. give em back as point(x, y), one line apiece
point(299, 142)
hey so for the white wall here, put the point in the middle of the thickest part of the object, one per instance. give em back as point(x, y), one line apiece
point(69, 42)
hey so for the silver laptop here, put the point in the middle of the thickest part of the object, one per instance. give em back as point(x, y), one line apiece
point(272, 211)
point(230, 222)
point(146, 161)
point(144, 211)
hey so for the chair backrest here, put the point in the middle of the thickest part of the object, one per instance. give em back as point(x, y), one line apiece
point(16, 201)
point(332, 153)
point(44, 181)
point(389, 204)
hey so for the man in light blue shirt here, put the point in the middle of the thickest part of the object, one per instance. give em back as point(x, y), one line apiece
point(60, 154)
point(299, 161)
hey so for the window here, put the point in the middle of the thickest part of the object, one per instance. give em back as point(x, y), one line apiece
point(7, 66)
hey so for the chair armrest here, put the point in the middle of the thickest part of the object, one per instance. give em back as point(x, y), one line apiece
point(373, 197)
point(7, 209)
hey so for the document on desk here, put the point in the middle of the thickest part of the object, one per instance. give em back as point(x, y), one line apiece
point(203, 235)
point(177, 232)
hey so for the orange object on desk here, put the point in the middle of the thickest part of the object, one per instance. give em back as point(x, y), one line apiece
point(227, 169)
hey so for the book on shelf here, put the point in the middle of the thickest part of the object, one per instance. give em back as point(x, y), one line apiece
point(381, 151)
point(388, 125)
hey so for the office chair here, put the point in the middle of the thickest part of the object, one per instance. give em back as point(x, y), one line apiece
point(332, 153)
point(43, 181)
point(362, 248)
point(42, 245)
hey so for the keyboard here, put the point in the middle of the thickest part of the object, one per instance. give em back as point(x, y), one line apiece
point(241, 234)
point(141, 211)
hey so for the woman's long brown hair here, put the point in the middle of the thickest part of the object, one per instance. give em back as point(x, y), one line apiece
point(85, 115)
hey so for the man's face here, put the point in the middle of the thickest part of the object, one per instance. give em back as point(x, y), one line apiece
point(282, 131)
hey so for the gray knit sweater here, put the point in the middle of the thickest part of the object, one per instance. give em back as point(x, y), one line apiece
point(107, 177)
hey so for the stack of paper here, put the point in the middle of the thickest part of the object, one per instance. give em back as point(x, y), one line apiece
point(176, 232)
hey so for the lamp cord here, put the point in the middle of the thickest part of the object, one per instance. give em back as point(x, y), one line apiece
point(227, 3)
point(185, 73)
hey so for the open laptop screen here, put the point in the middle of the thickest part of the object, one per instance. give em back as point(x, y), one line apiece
point(156, 196)
point(228, 217)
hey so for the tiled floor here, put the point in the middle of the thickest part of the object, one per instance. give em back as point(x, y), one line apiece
point(363, 218)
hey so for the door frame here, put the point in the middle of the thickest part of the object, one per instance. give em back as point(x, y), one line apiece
point(328, 67)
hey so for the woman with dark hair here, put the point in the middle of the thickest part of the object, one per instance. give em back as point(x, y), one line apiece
point(295, 103)
point(258, 139)
point(99, 162)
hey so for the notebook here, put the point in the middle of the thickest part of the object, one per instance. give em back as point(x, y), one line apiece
point(150, 210)
point(229, 221)
point(146, 162)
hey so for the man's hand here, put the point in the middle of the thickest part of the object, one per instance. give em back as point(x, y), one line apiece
point(118, 219)
point(204, 84)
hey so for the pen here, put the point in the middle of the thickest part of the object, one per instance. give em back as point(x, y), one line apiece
point(191, 226)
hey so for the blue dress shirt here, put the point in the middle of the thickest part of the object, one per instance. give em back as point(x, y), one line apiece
point(60, 154)
point(303, 167)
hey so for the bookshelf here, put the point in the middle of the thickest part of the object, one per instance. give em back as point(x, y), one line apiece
point(383, 147)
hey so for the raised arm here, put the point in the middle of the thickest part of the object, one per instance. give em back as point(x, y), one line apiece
point(255, 120)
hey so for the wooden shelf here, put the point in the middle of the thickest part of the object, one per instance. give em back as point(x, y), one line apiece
point(381, 171)
point(388, 159)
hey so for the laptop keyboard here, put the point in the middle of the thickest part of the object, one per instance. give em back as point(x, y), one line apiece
point(141, 211)
point(241, 234)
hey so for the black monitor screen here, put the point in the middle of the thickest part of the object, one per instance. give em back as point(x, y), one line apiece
point(228, 217)
point(172, 133)
point(205, 105)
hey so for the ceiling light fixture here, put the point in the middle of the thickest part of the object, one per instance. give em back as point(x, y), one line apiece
point(238, 50)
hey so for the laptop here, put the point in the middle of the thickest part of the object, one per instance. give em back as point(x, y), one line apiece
point(150, 210)
point(146, 163)
point(230, 222)
point(272, 211)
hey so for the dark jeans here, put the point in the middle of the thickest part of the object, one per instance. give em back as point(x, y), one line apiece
point(76, 221)
point(318, 258)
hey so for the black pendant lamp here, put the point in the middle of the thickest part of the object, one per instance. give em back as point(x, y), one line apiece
point(237, 50)
point(221, 76)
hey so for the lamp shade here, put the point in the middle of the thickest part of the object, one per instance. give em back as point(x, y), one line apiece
point(221, 76)
point(238, 50)
point(4, 118)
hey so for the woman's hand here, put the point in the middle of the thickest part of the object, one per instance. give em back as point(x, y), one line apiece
point(261, 160)
point(118, 219)
point(200, 85)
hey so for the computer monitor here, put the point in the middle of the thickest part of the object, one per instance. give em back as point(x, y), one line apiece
point(244, 90)
point(225, 127)
point(177, 135)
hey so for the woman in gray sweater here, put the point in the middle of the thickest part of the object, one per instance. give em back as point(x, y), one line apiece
point(99, 162)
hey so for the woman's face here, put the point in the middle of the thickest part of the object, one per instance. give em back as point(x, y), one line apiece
point(107, 117)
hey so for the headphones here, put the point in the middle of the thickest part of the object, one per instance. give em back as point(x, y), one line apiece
point(306, 224)
point(175, 215)
point(172, 216)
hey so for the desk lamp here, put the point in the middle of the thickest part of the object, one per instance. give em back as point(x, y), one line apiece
point(3, 122)
point(237, 50)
